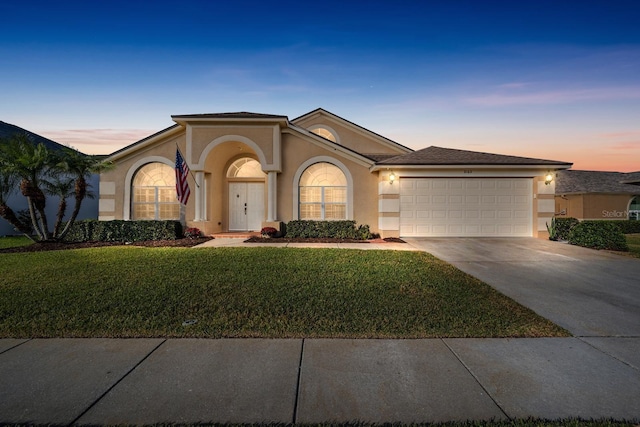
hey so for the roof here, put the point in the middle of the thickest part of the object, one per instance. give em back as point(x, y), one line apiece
point(579, 181)
point(236, 115)
point(449, 156)
point(8, 130)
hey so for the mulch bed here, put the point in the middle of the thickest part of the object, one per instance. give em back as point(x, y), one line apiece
point(257, 239)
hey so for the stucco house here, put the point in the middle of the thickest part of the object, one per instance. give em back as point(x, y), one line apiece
point(253, 170)
point(598, 195)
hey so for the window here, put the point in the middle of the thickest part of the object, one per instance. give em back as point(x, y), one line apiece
point(245, 168)
point(323, 193)
point(634, 208)
point(154, 193)
point(325, 133)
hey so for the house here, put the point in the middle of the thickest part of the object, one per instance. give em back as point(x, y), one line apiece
point(253, 170)
point(598, 195)
point(17, 201)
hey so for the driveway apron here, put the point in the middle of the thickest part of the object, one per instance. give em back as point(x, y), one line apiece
point(590, 293)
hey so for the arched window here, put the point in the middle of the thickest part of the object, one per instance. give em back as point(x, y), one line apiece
point(325, 133)
point(323, 193)
point(634, 208)
point(154, 193)
point(245, 167)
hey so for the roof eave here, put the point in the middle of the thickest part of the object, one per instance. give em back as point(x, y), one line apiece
point(536, 166)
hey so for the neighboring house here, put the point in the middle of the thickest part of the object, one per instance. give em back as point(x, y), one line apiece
point(253, 170)
point(598, 195)
point(17, 202)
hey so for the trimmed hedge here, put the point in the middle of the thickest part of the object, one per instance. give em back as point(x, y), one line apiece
point(598, 235)
point(627, 226)
point(564, 226)
point(123, 231)
point(327, 229)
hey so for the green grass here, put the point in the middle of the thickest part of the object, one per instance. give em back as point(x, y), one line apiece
point(251, 292)
point(633, 240)
point(12, 241)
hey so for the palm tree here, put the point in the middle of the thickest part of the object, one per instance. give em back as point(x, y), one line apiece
point(80, 167)
point(30, 163)
point(63, 188)
point(8, 185)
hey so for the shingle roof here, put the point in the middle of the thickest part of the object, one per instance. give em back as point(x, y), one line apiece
point(579, 181)
point(449, 156)
point(8, 130)
point(236, 115)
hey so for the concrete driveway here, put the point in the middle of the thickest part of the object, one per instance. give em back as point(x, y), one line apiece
point(590, 293)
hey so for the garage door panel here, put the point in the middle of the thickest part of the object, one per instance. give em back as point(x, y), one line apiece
point(466, 207)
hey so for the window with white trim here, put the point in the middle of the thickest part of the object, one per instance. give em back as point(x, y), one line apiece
point(154, 193)
point(323, 193)
point(325, 133)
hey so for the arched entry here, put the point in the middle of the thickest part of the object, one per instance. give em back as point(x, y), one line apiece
point(246, 195)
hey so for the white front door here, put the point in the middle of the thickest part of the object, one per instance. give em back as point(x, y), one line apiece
point(246, 206)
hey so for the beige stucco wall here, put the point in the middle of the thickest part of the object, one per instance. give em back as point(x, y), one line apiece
point(593, 206)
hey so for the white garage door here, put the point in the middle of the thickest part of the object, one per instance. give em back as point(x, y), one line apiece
point(466, 207)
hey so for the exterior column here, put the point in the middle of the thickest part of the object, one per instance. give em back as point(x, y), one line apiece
point(200, 196)
point(272, 200)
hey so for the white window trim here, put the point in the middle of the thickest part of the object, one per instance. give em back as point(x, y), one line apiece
point(128, 180)
point(329, 128)
point(322, 159)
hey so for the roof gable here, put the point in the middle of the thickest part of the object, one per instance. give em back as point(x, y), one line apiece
point(449, 156)
point(319, 113)
point(8, 130)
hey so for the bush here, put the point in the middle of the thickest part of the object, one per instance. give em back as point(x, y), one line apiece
point(328, 229)
point(564, 226)
point(598, 235)
point(192, 233)
point(627, 226)
point(123, 231)
point(268, 232)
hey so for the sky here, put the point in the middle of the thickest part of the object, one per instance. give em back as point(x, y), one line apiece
point(556, 80)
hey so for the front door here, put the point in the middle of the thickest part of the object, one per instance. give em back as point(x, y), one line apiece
point(246, 206)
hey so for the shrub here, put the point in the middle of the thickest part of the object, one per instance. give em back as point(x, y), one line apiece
point(328, 229)
point(123, 231)
point(564, 226)
point(192, 233)
point(627, 226)
point(598, 235)
point(268, 232)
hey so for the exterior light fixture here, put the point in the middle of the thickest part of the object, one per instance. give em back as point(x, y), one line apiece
point(548, 178)
point(392, 177)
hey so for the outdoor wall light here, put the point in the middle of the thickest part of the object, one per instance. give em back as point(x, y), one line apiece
point(392, 177)
point(548, 178)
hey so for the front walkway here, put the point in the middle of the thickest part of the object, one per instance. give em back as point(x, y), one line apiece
point(373, 244)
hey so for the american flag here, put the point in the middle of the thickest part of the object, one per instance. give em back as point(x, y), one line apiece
point(182, 172)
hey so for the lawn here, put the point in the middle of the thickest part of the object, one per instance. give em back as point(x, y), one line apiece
point(251, 292)
point(633, 240)
point(14, 241)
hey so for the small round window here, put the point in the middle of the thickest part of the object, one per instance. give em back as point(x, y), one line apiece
point(245, 168)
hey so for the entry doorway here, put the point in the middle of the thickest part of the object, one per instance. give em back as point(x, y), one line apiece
point(246, 206)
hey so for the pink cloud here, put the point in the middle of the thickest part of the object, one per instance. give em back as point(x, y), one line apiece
point(96, 141)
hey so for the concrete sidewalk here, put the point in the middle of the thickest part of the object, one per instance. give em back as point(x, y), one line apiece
point(146, 381)
point(366, 245)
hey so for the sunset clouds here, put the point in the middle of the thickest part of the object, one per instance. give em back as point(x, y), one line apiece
point(548, 79)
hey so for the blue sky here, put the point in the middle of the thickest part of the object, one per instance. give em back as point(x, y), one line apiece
point(549, 79)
